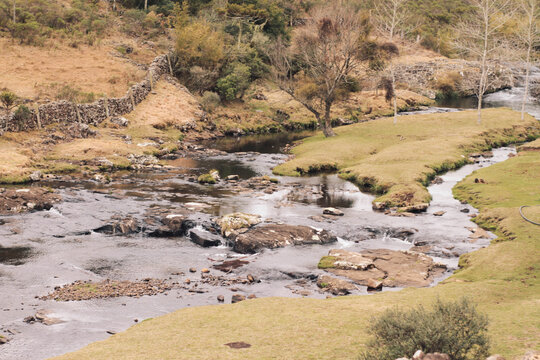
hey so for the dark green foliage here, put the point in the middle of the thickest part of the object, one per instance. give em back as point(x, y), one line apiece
point(235, 82)
point(454, 328)
point(22, 116)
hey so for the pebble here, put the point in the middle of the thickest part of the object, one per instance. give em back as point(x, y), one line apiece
point(221, 298)
point(193, 270)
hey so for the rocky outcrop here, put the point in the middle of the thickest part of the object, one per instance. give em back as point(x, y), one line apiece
point(13, 201)
point(204, 238)
point(392, 268)
point(276, 236)
point(423, 77)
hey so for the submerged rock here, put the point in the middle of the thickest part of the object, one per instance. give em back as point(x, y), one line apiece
point(391, 268)
point(120, 226)
point(204, 238)
point(275, 236)
point(173, 225)
point(333, 211)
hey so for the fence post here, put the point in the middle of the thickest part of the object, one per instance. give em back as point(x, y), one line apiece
point(151, 80)
point(170, 65)
point(132, 99)
point(106, 107)
point(77, 113)
point(38, 118)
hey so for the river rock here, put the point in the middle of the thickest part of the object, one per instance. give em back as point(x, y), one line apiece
point(237, 298)
point(439, 213)
point(392, 268)
point(14, 201)
point(120, 226)
point(374, 285)
point(173, 225)
point(275, 236)
point(231, 224)
point(333, 211)
point(334, 285)
point(416, 208)
point(233, 178)
point(204, 239)
point(531, 355)
point(120, 121)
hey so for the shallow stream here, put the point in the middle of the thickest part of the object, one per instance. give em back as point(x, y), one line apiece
point(42, 250)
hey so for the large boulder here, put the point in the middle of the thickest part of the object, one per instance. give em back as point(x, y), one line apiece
point(276, 236)
point(392, 268)
point(232, 224)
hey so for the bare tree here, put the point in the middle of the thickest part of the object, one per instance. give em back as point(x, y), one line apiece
point(480, 37)
point(529, 37)
point(327, 50)
point(391, 17)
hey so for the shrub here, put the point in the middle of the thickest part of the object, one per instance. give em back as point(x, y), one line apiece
point(235, 83)
point(448, 84)
point(8, 99)
point(453, 328)
point(22, 116)
point(210, 101)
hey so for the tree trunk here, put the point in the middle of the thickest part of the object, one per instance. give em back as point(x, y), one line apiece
point(145, 5)
point(326, 124)
point(14, 11)
point(394, 91)
point(527, 75)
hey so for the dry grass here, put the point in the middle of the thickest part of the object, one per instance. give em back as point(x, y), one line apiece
point(32, 72)
point(166, 106)
point(397, 159)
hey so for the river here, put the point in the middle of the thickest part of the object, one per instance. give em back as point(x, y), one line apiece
point(42, 250)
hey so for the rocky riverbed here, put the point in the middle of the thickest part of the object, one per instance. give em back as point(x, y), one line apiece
point(122, 248)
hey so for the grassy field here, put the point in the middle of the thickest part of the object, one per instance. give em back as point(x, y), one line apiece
point(397, 161)
point(504, 279)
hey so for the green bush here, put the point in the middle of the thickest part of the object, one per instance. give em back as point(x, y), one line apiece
point(234, 84)
point(453, 328)
point(22, 116)
point(210, 101)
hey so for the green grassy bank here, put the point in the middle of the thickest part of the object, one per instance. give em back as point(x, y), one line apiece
point(397, 161)
point(504, 279)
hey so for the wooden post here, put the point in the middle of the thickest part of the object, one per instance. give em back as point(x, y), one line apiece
point(38, 118)
point(106, 107)
point(170, 65)
point(77, 113)
point(132, 99)
point(151, 80)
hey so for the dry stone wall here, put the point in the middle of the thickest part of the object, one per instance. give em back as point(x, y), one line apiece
point(422, 77)
point(92, 113)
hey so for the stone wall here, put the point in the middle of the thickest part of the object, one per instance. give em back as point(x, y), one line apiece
point(422, 77)
point(92, 113)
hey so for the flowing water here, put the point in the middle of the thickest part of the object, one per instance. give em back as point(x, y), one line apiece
point(42, 250)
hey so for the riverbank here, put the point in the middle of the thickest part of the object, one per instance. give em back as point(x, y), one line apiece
point(396, 162)
point(502, 279)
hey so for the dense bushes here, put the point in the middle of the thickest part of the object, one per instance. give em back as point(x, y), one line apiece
point(453, 328)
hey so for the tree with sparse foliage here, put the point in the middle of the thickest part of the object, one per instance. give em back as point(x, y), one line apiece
point(480, 37)
point(392, 17)
point(8, 100)
point(529, 39)
point(325, 53)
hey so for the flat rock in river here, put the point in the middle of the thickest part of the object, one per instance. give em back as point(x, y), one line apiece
point(275, 236)
point(392, 268)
